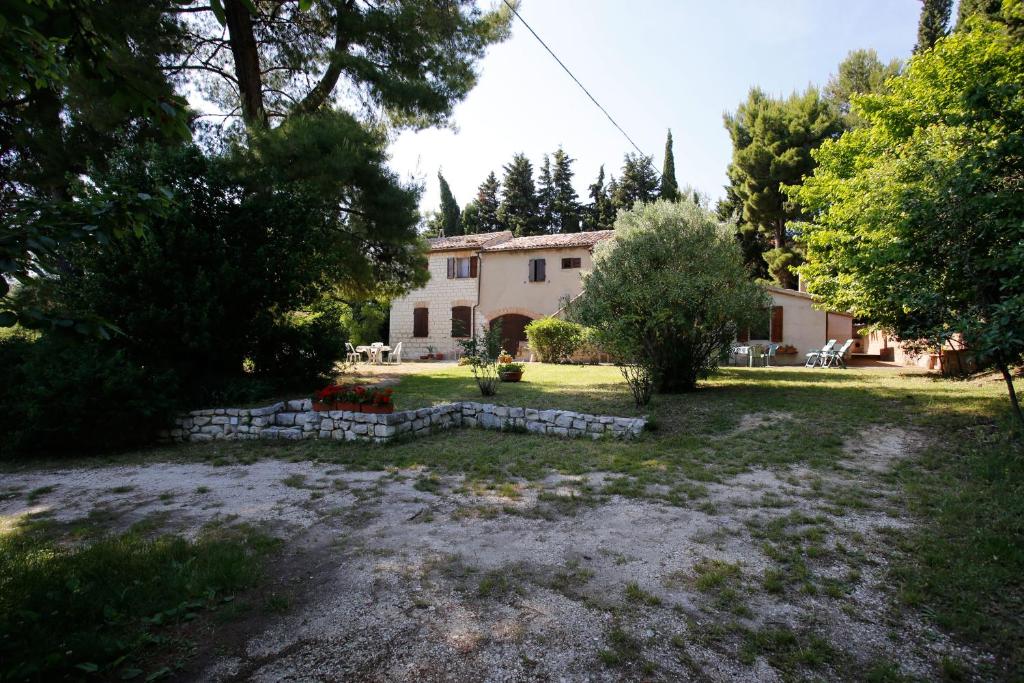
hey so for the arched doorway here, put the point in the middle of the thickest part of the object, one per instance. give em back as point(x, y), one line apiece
point(513, 330)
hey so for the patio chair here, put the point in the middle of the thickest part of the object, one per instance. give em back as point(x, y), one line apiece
point(769, 354)
point(837, 358)
point(817, 355)
point(394, 356)
point(755, 355)
point(351, 355)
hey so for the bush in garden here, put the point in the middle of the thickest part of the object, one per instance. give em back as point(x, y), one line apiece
point(555, 340)
point(483, 352)
point(668, 293)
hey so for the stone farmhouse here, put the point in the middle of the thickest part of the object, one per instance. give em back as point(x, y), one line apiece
point(476, 280)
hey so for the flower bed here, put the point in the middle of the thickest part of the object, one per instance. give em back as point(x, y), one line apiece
point(354, 398)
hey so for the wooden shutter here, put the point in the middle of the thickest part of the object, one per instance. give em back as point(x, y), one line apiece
point(451, 269)
point(420, 325)
point(473, 266)
point(461, 321)
point(776, 335)
point(532, 277)
point(743, 335)
point(541, 273)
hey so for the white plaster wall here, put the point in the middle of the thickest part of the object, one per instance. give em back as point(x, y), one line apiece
point(506, 286)
point(803, 326)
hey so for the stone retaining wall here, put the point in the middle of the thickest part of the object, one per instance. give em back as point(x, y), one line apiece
point(297, 420)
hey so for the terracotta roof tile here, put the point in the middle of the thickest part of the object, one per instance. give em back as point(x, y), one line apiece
point(476, 241)
point(560, 241)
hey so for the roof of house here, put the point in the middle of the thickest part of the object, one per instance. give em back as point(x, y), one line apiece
point(560, 241)
point(476, 241)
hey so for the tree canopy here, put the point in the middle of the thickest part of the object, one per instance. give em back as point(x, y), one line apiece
point(917, 219)
point(669, 187)
point(519, 209)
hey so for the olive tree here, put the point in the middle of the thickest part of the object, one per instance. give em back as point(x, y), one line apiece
point(668, 293)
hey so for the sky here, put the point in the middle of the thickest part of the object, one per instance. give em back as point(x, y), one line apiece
point(654, 65)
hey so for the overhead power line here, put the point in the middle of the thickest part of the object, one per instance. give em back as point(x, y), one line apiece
point(576, 80)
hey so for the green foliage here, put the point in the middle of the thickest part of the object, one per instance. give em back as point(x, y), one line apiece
point(482, 352)
point(600, 214)
point(989, 9)
point(519, 210)
point(565, 204)
point(639, 182)
point(451, 224)
point(63, 392)
point(363, 321)
point(66, 612)
point(860, 73)
point(545, 195)
point(918, 219)
point(932, 23)
point(471, 219)
point(487, 202)
point(772, 143)
point(670, 291)
point(555, 340)
point(669, 187)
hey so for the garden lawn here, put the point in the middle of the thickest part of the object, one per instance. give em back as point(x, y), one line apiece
point(811, 481)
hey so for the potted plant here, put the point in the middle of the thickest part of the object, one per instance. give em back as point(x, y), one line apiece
point(786, 349)
point(438, 356)
point(378, 401)
point(510, 372)
point(336, 397)
point(505, 357)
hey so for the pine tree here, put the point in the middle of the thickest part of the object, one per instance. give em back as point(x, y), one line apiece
point(933, 22)
point(471, 218)
point(518, 211)
point(545, 197)
point(639, 182)
point(450, 215)
point(669, 187)
point(565, 203)
point(487, 204)
point(600, 214)
point(968, 8)
point(862, 72)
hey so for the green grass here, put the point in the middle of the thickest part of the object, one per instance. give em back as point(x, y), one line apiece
point(110, 607)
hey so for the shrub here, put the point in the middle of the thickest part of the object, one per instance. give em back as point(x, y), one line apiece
point(555, 340)
point(668, 293)
point(58, 394)
point(483, 352)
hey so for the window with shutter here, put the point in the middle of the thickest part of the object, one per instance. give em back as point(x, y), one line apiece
point(451, 268)
point(461, 317)
point(420, 326)
point(474, 266)
point(568, 263)
point(537, 270)
point(776, 324)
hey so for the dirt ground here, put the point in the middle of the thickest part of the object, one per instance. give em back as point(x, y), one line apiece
point(400, 576)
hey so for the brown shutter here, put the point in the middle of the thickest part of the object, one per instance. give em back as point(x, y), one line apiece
point(743, 335)
point(777, 324)
point(451, 268)
point(420, 326)
point(473, 266)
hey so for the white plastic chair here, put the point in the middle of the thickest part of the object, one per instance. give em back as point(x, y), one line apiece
point(351, 355)
point(837, 358)
point(817, 355)
point(769, 354)
point(394, 356)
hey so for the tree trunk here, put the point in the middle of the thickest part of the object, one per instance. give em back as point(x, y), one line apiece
point(1015, 405)
point(247, 63)
point(780, 234)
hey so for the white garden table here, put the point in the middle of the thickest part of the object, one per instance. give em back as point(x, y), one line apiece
point(374, 353)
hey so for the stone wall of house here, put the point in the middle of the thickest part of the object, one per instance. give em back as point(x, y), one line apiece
point(297, 420)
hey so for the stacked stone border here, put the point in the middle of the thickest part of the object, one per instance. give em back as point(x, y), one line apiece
point(297, 420)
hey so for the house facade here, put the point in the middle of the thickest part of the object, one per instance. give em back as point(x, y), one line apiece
point(793, 321)
point(476, 280)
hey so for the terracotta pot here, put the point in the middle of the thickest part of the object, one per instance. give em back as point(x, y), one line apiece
point(369, 408)
point(438, 356)
point(511, 376)
point(322, 407)
point(425, 357)
point(351, 407)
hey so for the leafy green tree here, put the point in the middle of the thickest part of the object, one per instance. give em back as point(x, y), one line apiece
point(966, 9)
point(861, 73)
point(918, 224)
point(772, 143)
point(408, 62)
point(669, 187)
point(639, 182)
point(729, 211)
point(565, 203)
point(450, 215)
point(545, 196)
point(471, 218)
point(933, 22)
point(600, 213)
point(670, 290)
point(488, 203)
point(519, 210)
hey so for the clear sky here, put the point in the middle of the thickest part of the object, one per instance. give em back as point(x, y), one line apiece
point(654, 65)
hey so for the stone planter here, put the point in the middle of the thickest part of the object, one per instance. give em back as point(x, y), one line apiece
point(511, 376)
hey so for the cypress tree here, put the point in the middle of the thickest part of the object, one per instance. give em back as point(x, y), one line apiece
point(518, 211)
point(933, 22)
point(669, 187)
point(487, 204)
point(565, 203)
point(450, 214)
point(545, 197)
point(600, 214)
